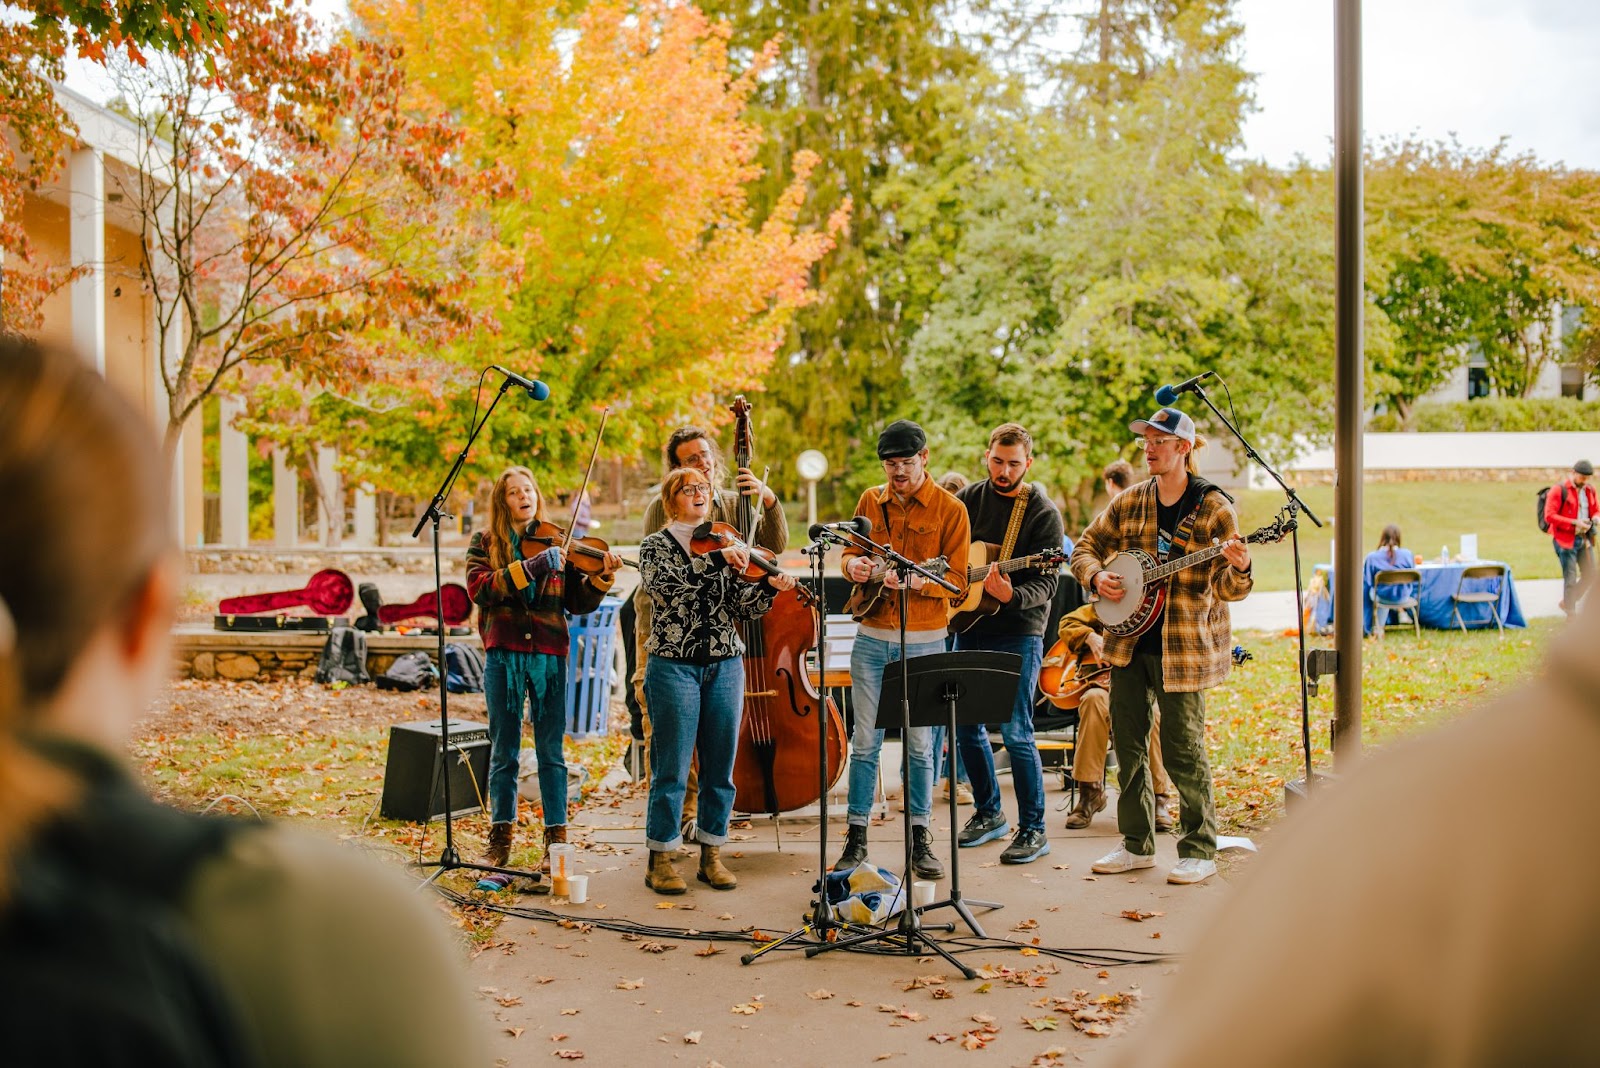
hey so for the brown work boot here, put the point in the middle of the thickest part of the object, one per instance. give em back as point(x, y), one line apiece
point(1091, 799)
point(1164, 820)
point(552, 835)
point(662, 877)
point(712, 873)
point(498, 854)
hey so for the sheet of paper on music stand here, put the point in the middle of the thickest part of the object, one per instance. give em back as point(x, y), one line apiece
point(1469, 547)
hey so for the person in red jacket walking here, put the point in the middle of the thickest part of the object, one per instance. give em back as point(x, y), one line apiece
point(1570, 512)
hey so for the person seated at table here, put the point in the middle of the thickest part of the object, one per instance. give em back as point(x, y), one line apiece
point(1390, 555)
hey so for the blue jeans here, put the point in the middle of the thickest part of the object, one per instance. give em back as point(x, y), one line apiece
point(947, 762)
point(692, 707)
point(1576, 564)
point(540, 680)
point(1027, 774)
point(868, 657)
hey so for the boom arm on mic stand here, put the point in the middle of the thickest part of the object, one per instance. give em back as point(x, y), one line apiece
point(902, 564)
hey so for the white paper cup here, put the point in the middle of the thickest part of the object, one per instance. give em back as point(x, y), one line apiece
point(577, 889)
point(922, 892)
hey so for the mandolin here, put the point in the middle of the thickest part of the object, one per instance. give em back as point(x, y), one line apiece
point(864, 596)
point(977, 604)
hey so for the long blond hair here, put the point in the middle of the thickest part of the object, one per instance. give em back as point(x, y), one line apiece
point(65, 437)
point(1189, 463)
point(497, 537)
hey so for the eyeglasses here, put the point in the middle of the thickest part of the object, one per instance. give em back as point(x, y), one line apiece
point(698, 489)
point(908, 464)
point(1150, 443)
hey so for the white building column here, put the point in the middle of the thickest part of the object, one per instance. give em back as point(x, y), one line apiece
point(330, 503)
point(285, 502)
point(234, 453)
point(366, 516)
point(86, 177)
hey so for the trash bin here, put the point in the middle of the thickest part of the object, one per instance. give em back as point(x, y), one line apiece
point(590, 669)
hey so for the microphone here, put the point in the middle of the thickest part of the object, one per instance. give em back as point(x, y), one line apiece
point(1167, 394)
point(536, 390)
point(859, 525)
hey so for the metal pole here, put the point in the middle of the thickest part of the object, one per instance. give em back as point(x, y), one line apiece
point(1349, 406)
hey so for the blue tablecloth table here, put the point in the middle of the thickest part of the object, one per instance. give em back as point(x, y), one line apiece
point(1439, 582)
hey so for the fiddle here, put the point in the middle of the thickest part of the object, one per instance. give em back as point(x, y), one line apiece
point(587, 554)
point(708, 538)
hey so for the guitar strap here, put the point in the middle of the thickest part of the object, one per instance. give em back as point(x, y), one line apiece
point(1180, 538)
point(1014, 526)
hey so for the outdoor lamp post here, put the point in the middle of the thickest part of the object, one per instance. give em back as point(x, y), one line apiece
point(812, 465)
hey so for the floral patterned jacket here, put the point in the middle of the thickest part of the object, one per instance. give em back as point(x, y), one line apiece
point(696, 601)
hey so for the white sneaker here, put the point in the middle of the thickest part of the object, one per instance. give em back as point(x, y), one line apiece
point(1122, 860)
point(1192, 870)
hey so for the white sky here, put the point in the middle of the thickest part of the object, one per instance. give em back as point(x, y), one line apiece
point(1480, 69)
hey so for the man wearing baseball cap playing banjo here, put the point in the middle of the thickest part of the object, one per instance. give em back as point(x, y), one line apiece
point(1172, 640)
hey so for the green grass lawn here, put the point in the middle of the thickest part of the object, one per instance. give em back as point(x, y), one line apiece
point(1429, 514)
point(1408, 685)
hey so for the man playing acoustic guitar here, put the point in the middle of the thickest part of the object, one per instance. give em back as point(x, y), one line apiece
point(1005, 511)
point(1187, 648)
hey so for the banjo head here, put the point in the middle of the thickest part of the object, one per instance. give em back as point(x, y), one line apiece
point(1130, 565)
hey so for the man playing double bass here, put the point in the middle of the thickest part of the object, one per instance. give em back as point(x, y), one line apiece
point(693, 447)
point(1186, 651)
point(1005, 510)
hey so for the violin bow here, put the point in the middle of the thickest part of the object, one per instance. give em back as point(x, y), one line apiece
point(577, 501)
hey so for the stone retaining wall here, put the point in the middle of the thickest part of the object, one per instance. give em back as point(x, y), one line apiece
point(306, 561)
point(203, 653)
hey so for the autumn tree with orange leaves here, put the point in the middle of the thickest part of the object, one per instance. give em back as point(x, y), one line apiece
point(35, 131)
point(634, 272)
point(297, 215)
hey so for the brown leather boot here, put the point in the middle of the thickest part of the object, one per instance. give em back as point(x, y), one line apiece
point(1164, 820)
point(712, 872)
point(552, 835)
point(662, 877)
point(499, 852)
point(1091, 799)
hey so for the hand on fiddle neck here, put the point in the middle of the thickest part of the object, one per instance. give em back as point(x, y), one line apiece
point(782, 582)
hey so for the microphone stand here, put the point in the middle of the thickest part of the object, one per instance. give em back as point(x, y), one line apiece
point(1294, 506)
point(908, 936)
point(821, 923)
point(449, 859)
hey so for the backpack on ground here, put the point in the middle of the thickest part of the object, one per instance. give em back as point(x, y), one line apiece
point(463, 668)
point(344, 657)
point(410, 671)
point(1560, 487)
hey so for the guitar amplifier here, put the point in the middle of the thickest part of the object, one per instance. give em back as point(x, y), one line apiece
point(413, 779)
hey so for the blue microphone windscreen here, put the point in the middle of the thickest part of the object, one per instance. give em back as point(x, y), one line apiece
point(1166, 395)
point(540, 391)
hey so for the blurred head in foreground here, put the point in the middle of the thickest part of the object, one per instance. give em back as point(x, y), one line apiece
point(1418, 912)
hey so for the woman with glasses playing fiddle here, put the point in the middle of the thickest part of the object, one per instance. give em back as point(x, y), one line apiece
point(694, 679)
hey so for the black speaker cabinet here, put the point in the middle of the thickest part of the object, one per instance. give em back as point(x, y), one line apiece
point(413, 784)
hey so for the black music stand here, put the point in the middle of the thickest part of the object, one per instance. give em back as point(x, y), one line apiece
point(975, 687)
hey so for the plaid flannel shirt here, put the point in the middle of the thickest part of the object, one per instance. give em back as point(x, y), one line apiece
point(505, 618)
point(1197, 635)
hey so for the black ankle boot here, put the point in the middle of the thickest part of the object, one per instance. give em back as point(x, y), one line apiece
point(923, 862)
point(855, 849)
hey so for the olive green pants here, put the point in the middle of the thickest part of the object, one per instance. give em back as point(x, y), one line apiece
point(1183, 750)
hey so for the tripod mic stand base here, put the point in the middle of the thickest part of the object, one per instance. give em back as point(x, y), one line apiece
point(450, 861)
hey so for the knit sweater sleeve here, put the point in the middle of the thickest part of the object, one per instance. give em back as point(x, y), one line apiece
point(487, 585)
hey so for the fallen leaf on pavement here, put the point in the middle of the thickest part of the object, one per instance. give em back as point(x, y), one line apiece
point(819, 995)
point(630, 984)
point(1139, 915)
point(1027, 925)
point(514, 1032)
point(568, 1054)
point(570, 1012)
point(692, 1038)
point(656, 947)
point(709, 951)
point(1043, 1023)
point(747, 1008)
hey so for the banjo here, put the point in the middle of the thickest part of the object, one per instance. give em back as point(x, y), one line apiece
point(1144, 582)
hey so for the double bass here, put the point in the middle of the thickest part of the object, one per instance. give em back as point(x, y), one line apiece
point(777, 766)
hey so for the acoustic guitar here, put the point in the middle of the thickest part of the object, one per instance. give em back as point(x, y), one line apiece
point(1064, 678)
point(1144, 582)
point(864, 596)
point(978, 604)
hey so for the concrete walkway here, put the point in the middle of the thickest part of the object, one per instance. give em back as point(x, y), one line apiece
point(618, 1002)
point(1274, 610)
